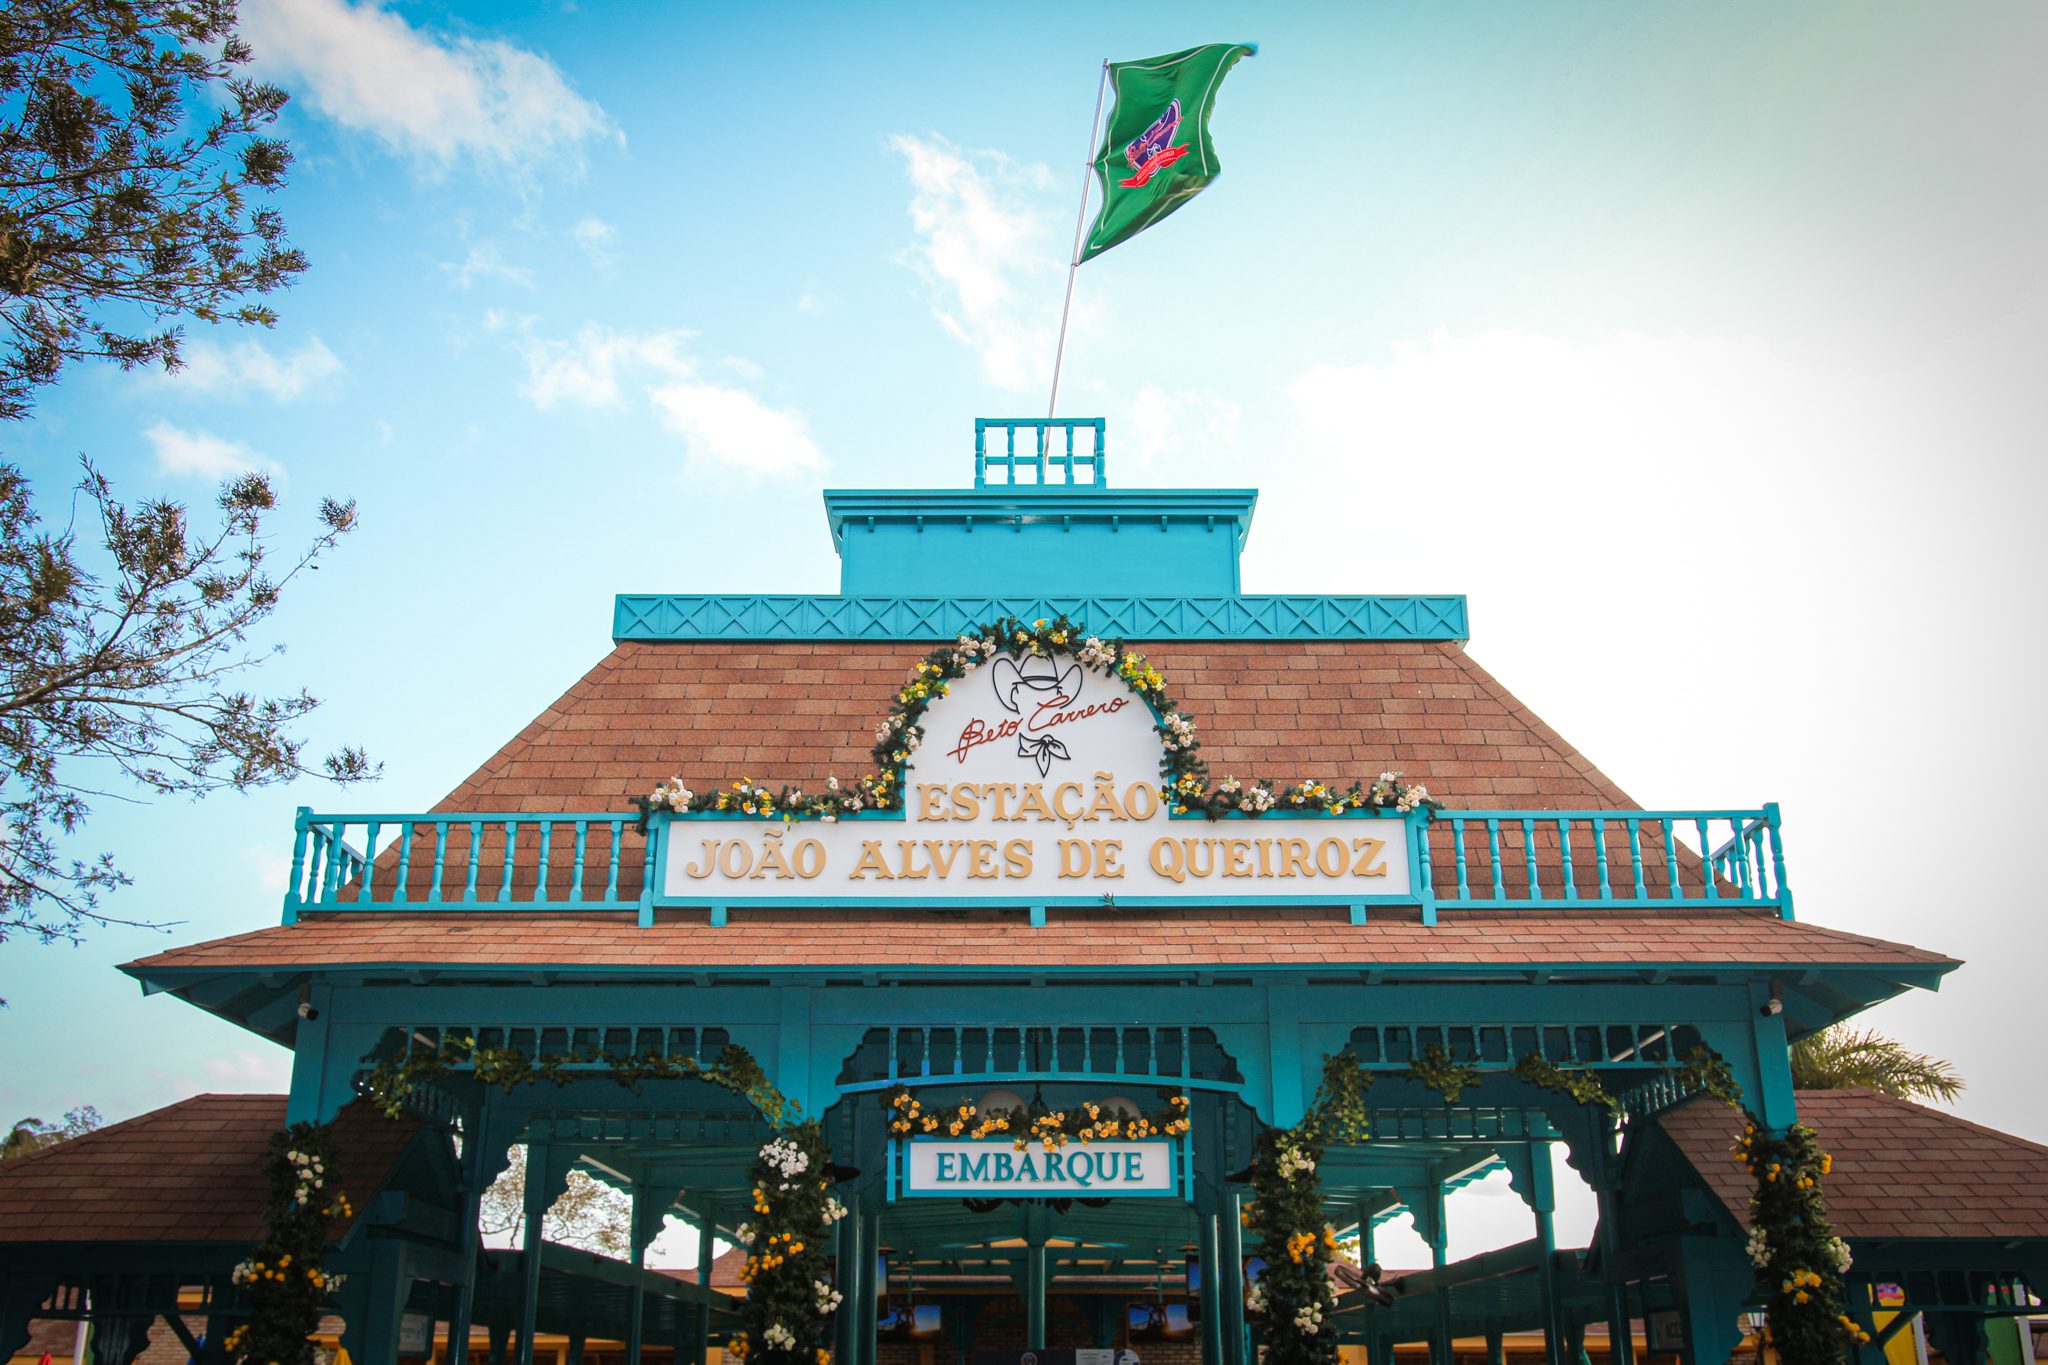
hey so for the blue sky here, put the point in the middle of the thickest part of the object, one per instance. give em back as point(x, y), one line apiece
point(1699, 344)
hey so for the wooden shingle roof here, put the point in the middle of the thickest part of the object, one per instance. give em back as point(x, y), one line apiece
point(1901, 1170)
point(189, 1172)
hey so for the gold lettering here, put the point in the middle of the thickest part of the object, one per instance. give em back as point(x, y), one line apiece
point(871, 858)
point(1034, 803)
point(1145, 792)
point(1325, 851)
point(983, 854)
point(909, 871)
point(709, 865)
point(1073, 857)
point(966, 801)
point(746, 859)
point(771, 857)
point(1265, 856)
point(809, 858)
point(1059, 803)
point(1368, 864)
point(1294, 858)
point(1017, 858)
point(1237, 857)
point(997, 792)
point(1167, 860)
point(942, 852)
point(1107, 851)
point(929, 796)
point(1105, 798)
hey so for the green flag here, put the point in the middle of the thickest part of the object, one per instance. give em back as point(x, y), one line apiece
point(1156, 154)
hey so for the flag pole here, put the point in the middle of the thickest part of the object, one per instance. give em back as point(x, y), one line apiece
point(1080, 226)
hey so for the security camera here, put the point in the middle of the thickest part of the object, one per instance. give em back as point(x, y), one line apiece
point(1771, 1007)
point(306, 1010)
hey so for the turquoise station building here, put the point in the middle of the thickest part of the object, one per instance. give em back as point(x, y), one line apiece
point(1032, 917)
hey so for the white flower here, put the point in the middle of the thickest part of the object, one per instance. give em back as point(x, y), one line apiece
point(1839, 1250)
point(834, 1210)
point(744, 1234)
point(779, 1336)
point(1759, 1248)
point(832, 784)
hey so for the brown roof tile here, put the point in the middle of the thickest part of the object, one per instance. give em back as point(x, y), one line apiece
point(1900, 1170)
point(190, 1172)
point(1267, 936)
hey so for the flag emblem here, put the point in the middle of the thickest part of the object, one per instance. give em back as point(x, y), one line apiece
point(1150, 153)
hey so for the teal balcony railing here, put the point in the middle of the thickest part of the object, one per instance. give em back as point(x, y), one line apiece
point(1051, 453)
point(1499, 860)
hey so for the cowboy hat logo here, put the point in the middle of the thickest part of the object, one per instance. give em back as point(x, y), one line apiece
point(1038, 683)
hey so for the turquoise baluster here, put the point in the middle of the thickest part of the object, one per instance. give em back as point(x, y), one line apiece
point(1493, 856)
point(1529, 858)
point(505, 876)
point(1458, 839)
point(547, 837)
point(1564, 844)
point(399, 893)
point(611, 876)
point(1600, 843)
point(476, 857)
point(576, 882)
point(1671, 861)
point(440, 859)
point(1635, 857)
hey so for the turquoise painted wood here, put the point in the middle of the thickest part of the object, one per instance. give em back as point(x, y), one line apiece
point(1050, 449)
point(919, 615)
point(1497, 860)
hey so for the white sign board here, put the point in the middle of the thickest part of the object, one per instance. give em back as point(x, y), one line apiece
point(946, 1168)
point(1035, 784)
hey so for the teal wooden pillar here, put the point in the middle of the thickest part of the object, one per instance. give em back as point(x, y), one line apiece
point(1365, 1259)
point(1230, 1276)
point(1621, 1346)
point(575, 1348)
point(1205, 1293)
point(636, 1300)
point(1496, 1347)
point(470, 1239)
point(1543, 1201)
point(700, 1315)
point(847, 1323)
point(1034, 1296)
point(537, 1202)
point(1442, 1346)
point(500, 1336)
point(874, 1285)
point(370, 1330)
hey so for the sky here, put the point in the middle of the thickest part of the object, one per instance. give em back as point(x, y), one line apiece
point(1698, 344)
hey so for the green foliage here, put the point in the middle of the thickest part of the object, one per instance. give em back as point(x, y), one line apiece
point(393, 1080)
point(790, 1298)
point(1706, 1071)
point(1577, 1082)
point(131, 155)
point(34, 1135)
point(128, 663)
point(1338, 1113)
point(1285, 1219)
point(1436, 1069)
point(286, 1289)
point(1799, 1259)
point(1842, 1058)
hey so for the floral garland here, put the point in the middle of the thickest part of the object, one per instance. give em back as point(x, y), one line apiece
point(1798, 1257)
point(1285, 1217)
point(1182, 772)
point(394, 1079)
point(1052, 1129)
point(790, 1295)
point(286, 1287)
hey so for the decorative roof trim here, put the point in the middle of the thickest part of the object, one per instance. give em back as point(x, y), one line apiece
point(682, 616)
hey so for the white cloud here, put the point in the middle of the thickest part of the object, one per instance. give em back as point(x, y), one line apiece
point(434, 97)
point(486, 262)
point(722, 422)
point(249, 1071)
point(730, 426)
point(597, 240)
point(202, 455)
point(988, 254)
point(235, 370)
point(1175, 423)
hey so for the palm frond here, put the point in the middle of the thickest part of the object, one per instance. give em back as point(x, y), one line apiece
point(1842, 1058)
